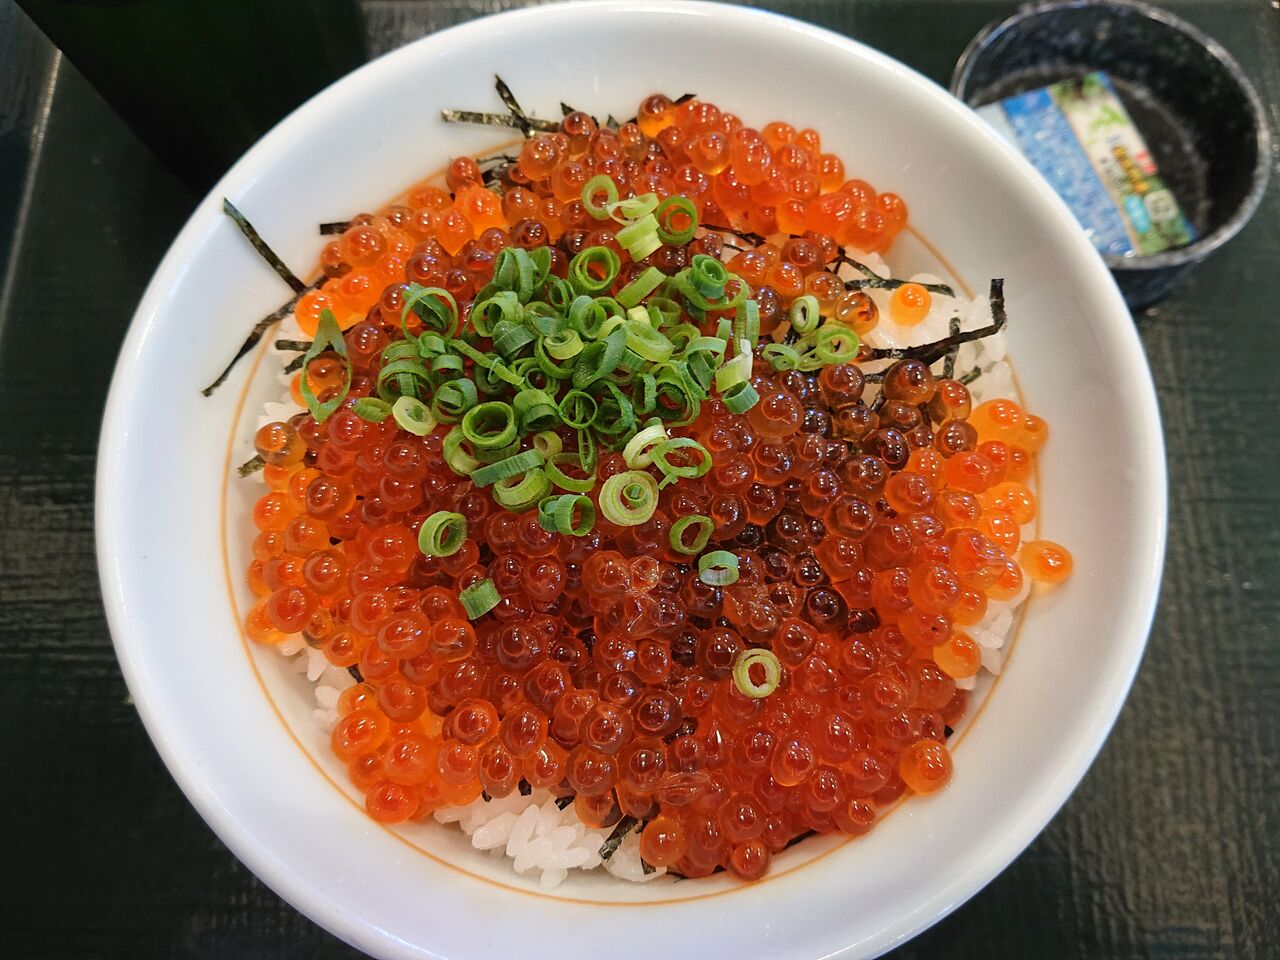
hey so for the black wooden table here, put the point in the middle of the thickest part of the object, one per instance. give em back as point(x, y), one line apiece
point(1169, 849)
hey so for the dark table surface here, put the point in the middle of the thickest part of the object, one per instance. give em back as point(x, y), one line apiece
point(1169, 849)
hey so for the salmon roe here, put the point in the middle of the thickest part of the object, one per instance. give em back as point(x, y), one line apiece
point(871, 525)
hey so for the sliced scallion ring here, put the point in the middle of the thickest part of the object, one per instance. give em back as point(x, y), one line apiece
point(442, 534)
point(718, 568)
point(629, 498)
point(768, 663)
point(413, 415)
point(704, 524)
point(479, 598)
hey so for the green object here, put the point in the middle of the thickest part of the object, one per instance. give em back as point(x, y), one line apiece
point(442, 534)
point(479, 598)
point(719, 568)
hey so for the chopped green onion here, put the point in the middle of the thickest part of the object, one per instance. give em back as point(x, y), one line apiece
point(548, 443)
point(719, 568)
point(578, 409)
point(564, 345)
point(599, 359)
point(512, 466)
point(804, 314)
point(835, 344)
point(743, 680)
point(504, 305)
point(632, 208)
point(535, 410)
point(371, 409)
point(638, 451)
point(460, 461)
point(488, 425)
point(662, 455)
point(413, 415)
point(737, 370)
point(705, 526)
point(708, 276)
point(479, 598)
point(647, 342)
point(442, 534)
point(640, 238)
point(593, 270)
point(639, 288)
point(562, 480)
point(677, 220)
point(781, 356)
point(328, 337)
point(629, 498)
point(435, 306)
point(746, 323)
point(598, 183)
point(454, 398)
point(740, 398)
point(519, 493)
point(557, 514)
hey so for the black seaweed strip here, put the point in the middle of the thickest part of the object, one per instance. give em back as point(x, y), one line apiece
point(253, 465)
point(873, 279)
point(259, 330)
point(949, 368)
point(261, 246)
point(932, 352)
point(523, 123)
point(615, 838)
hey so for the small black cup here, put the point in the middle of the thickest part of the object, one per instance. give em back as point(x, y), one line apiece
point(1201, 118)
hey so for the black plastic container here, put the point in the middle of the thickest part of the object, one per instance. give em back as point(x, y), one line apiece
point(1201, 118)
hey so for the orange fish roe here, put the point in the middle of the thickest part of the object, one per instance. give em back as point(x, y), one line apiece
point(729, 709)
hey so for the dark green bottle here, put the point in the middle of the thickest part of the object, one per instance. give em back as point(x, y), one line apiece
point(201, 80)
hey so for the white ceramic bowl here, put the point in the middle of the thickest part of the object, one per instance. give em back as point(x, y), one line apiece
point(243, 750)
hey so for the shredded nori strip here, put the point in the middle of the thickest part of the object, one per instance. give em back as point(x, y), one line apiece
point(932, 352)
point(949, 367)
point(496, 120)
point(251, 466)
point(797, 838)
point(334, 227)
point(504, 157)
point(260, 245)
point(524, 788)
point(746, 235)
point(259, 330)
point(614, 840)
point(355, 673)
point(509, 100)
point(873, 279)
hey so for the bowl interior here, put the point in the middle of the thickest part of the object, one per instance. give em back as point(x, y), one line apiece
point(1197, 112)
point(164, 463)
